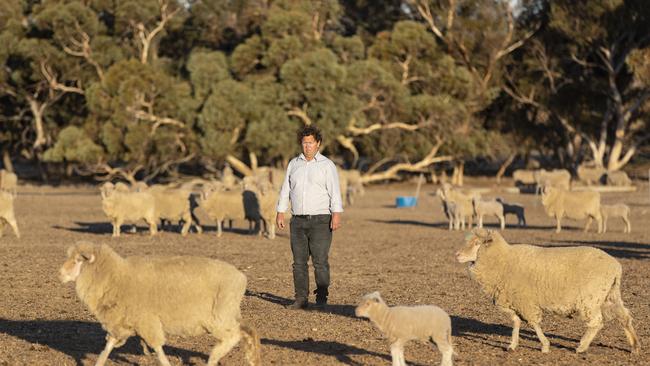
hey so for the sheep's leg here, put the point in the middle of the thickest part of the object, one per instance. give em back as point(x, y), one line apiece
point(443, 342)
point(594, 325)
point(397, 353)
point(589, 220)
point(187, 222)
point(116, 227)
point(271, 228)
point(516, 325)
point(162, 358)
point(599, 221)
point(604, 224)
point(480, 221)
point(219, 231)
point(502, 220)
point(558, 227)
point(110, 344)
point(628, 227)
point(542, 338)
point(14, 226)
point(228, 338)
point(2, 227)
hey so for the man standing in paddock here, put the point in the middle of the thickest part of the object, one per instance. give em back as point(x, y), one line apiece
point(311, 183)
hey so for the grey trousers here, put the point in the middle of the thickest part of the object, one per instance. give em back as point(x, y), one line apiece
point(310, 236)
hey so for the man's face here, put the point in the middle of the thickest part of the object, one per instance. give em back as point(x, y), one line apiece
point(310, 146)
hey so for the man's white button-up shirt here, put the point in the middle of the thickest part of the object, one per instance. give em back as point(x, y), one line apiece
point(312, 186)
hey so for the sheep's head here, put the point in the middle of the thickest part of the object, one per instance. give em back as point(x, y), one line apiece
point(473, 242)
point(78, 255)
point(368, 302)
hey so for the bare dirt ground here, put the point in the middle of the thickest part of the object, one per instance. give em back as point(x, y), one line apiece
point(406, 254)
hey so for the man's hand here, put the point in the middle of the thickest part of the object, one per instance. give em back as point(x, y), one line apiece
point(336, 221)
point(279, 220)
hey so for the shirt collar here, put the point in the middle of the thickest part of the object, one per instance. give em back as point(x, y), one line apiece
point(317, 157)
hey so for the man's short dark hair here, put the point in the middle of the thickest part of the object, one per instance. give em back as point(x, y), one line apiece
point(309, 130)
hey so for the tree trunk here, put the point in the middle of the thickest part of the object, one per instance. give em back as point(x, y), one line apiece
point(504, 166)
point(6, 160)
point(37, 112)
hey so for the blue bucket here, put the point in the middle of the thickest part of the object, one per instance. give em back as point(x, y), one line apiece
point(406, 201)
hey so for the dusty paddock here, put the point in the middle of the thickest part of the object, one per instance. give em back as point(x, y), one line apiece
point(406, 254)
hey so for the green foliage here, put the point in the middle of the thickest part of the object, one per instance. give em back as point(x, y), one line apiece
point(74, 145)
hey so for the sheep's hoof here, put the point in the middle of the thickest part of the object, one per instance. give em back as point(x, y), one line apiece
point(581, 349)
point(545, 349)
point(511, 348)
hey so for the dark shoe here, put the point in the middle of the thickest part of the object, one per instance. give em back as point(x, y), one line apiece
point(321, 297)
point(297, 304)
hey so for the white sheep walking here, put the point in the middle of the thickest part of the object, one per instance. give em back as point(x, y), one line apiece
point(525, 281)
point(401, 324)
point(154, 296)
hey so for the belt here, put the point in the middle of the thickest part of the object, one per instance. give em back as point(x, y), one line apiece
point(309, 217)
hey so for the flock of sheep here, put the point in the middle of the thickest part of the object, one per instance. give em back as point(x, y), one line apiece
point(186, 296)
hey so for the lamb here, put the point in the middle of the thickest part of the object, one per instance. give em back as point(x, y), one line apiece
point(618, 178)
point(401, 324)
point(525, 280)
point(482, 208)
point(7, 213)
point(575, 205)
point(8, 181)
point(514, 209)
point(157, 296)
point(463, 202)
point(618, 210)
point(451, 212)
point(119, 206)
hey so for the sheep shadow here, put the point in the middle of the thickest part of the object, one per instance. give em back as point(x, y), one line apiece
point(78, 339)
point(335, 309)
point(412, 222)
point(341, 351)
point(480, 331)
point(101, 228)
point(618, 249)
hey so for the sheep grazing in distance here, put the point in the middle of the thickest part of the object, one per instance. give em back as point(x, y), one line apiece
point(173, 204)
point(618, 210)
point(463, 203)
point(590, 173)
point(132, 206)
point(524, 281)
point(618, 178)
point(514, 209)
point(220, 205)
point(155, 296)
point(401, 324)
point(524, 176)
point(7, 213)
point(557, 178)
point(482, 208)
point(575, 205)
point(8, 181)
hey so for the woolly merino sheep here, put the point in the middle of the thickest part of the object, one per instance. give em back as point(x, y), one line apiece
point(524, 281)
point(482, 208)
point(618, 178)
point(7, 213)
point(558, 178)
point(263, 207)
point(463, 202)
point(154, 296)
point(221, 205)
point(401, 324)
point(456, 220)
point(8, 181)
point(514, 209)
point(575, 205)
point(590, 174)
point(173, 204)
point(618, 210)
point(130, 206)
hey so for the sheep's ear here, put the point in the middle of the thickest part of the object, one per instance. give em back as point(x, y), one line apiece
point(69, 251)
point(90, 258)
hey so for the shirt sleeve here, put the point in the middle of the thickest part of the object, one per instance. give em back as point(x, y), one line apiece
point(283, 199)
point(334, 189)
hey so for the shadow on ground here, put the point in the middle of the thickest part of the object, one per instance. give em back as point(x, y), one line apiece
point(336, 309)
point(79, 339)
point(618, 249)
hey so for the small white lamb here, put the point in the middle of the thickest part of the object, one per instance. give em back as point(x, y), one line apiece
point(401, 324)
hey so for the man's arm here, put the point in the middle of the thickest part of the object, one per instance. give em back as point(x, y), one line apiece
point(334, 190)
point(283, 199)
